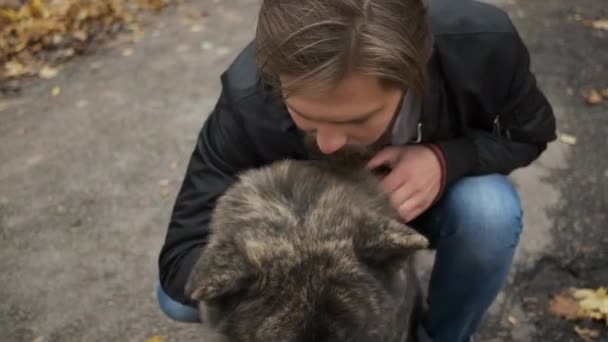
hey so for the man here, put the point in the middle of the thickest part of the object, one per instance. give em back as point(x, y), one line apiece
point(442, 92)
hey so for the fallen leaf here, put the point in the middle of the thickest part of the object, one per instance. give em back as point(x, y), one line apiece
point(173, 165)
point(155, 338)
point(593, 302)
point(15, 69)
point(512, 320)
point(592, 97)
point(38, 339)
point(82, 103)
point(598, 24)
point(563, 306)
point(196, 28)
point(586, 334)
point(127, 52)
point(164, 192)
point(206, 46)
point(163, 182)
point(48, 72)
point(222, 50)
point(80, 35)
point(56, 91)
point(155, 5)
point(567, 139)
point(96, 65)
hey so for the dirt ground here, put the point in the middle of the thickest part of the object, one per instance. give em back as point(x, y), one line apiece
point(88, 177)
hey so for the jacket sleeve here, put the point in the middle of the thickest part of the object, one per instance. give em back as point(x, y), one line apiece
point(518, 128)
point(222, 150)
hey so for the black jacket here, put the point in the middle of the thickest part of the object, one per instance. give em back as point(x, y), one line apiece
point(483, 109)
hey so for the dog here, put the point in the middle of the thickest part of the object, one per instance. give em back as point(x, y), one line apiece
point(308, 250)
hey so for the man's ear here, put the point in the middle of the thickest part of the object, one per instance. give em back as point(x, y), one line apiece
point(218, 273)
point(381, 240)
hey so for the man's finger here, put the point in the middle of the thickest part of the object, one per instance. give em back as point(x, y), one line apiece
point(388, 156)
point(400, 195)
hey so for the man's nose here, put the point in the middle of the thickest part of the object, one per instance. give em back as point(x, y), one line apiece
point(329, 142)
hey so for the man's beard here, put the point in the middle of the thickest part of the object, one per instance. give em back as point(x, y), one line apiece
point(353, 156)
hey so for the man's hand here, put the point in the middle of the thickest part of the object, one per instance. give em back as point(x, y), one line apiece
point(414, 181)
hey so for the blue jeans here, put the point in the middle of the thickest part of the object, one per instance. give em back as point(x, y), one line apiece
point(475, 229)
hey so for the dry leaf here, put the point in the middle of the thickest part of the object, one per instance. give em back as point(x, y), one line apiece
point(82, 103)
point(164, 192)
point(155, 338)
point(592, 97)
point(206, 46)
point(56, 91)
point(173, 165)
point(155, 5)
point(80, 35)
point(222, 50)
point(127, 52)
point(586, 334)
point(15, 69)
point(593, 302)
point(599, 24)
point(567, 139)
point(163, 182)
point(48, 72)
point(564, 306)
point(35, 25)
point(96, 65)
point(512, 320)
point(196, 28)
point(38, 339)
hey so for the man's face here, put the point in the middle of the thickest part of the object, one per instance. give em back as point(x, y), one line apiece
point(356, 113)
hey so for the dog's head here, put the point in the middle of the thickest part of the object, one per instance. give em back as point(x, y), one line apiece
point(331, 278)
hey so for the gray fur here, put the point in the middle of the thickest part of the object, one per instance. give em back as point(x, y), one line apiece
point(307, 251)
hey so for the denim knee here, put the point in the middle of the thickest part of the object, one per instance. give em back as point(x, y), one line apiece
point(175, 310)
point(484, 216)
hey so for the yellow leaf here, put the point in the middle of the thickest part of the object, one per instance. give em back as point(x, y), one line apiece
point(56, 91)
point(567, 139)
point(600, 24)
point(38, 9)
point(593, 97)
point(593, 302)
point(80, 35)
point(48, 72)
point(155, 338)
point(586, 334)
point(127, 52)
point(11, 15)
point(15, 69)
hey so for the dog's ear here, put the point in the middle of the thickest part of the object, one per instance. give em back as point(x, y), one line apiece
point(381, 240)
point(217, 273)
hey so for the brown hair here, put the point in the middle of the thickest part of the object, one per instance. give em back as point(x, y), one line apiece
point(317, 42)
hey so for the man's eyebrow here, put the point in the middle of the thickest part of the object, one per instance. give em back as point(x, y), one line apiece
point(357, 118)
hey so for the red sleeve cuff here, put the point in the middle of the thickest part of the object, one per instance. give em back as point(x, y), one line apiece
point(442, 162)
